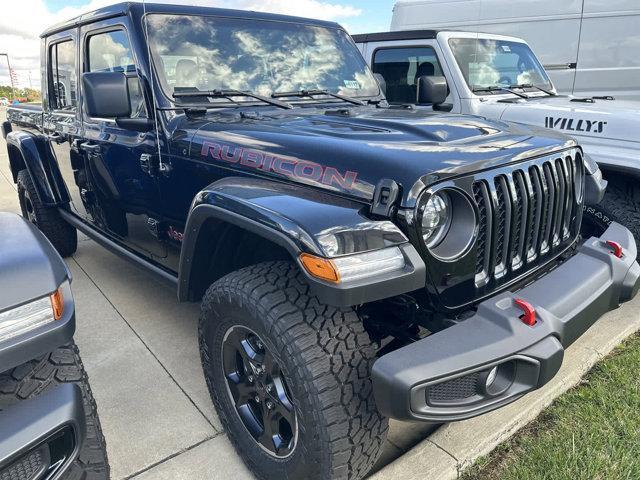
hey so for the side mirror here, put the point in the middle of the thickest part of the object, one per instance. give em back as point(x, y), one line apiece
point(432, 90)
point(382, 82)
point(106, 94)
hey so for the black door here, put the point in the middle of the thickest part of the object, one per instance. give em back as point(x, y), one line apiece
point(124, 196)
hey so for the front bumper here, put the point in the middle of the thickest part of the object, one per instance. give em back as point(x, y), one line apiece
point(42, 436)
point(444, 377)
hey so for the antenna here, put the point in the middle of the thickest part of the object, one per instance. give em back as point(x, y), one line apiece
point(151, 80)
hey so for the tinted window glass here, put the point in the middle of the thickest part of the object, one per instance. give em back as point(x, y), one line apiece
point(62, 74)
point(401, 68)
point(111, 52)
point(264, 57)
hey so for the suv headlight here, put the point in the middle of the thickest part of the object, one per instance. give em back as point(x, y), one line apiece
point(436, 219)
point(32, 315)
point(447, 222)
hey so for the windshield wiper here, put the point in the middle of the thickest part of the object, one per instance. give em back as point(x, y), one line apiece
point(312, 93)
point(531, 85)
point(231, 93)
point(497, 88)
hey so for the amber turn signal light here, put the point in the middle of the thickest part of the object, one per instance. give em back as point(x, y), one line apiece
point(57, 303)
point(320, 267)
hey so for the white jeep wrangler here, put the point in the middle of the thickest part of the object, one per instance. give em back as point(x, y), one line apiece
point(500, 77)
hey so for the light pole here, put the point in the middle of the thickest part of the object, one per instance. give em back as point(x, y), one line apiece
point(13, 95)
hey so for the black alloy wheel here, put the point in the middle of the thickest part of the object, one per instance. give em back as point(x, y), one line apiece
point(259, 391)
point(28, 210)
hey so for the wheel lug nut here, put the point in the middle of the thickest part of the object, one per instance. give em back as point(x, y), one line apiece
point(259, 344)
point(269, 388)
point(269, 405)
point(250, 378)
point(257, 399)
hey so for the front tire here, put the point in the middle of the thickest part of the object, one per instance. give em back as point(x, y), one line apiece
point(316, 357)
point(32, 378)
point(61, 235)
point(620, 204)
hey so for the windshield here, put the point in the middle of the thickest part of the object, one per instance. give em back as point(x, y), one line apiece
point(194, 53)
point(497, 63)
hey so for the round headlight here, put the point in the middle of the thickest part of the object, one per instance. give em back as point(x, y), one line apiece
point(447, 224)
point(436, 219)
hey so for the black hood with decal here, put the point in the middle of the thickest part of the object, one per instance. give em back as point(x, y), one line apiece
point(350, 150)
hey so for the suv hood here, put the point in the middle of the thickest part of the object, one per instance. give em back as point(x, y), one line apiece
point(350, 150)
point(603, 119)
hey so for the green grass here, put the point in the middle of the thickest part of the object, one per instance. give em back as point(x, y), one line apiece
point(590, 432)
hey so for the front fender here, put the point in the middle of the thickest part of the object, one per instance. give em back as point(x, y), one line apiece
point(298, 219)
point(38, 158)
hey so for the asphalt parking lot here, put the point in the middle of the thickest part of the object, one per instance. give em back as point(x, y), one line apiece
point(139, 346)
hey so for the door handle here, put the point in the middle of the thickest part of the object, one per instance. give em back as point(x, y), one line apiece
point(89, 147)
point(56, 137)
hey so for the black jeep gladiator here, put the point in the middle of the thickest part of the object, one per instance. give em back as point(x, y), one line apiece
point(49, 426)
point(354, 262)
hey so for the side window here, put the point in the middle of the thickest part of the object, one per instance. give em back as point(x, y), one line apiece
point(401, 68)
point(62, 76)
point(111, 52)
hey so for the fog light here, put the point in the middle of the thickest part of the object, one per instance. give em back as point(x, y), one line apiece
point(493, 373)
point(498, 379)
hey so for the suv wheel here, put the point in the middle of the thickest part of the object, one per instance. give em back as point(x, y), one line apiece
point(289, 376)
point(61, 235)
point(32, 378)
point(618, 205)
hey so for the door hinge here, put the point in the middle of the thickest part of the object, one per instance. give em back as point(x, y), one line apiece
point(147, 164)
point(151, 165)
point(384, 197)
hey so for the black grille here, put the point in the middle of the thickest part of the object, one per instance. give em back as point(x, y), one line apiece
point(31, 466)
point(457, 389)
point(524, 215)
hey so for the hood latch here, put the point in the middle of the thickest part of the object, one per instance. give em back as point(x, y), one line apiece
point(384, 197)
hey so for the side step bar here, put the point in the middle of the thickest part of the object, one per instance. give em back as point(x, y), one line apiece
point(162, 273)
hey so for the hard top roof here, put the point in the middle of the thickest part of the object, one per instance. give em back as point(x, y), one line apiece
point(120, 9)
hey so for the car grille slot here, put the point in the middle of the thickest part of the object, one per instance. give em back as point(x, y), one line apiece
point(485, 221)
point(525, 214)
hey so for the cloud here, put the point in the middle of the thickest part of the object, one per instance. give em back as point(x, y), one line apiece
point(22, 22)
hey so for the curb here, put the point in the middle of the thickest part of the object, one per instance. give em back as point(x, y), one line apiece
point(455, 446)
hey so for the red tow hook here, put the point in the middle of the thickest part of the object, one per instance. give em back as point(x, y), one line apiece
point(529, 315)
point(616, 247)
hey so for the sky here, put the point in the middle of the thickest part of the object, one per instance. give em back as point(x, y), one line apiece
point(23, 20)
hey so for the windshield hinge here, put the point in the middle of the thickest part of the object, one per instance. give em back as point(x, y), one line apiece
point(384, 197)
point(149, 164)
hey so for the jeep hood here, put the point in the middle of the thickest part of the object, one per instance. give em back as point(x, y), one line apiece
point(349, 151)
point(603, 119)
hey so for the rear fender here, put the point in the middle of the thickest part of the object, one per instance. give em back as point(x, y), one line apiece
point(298, 219)
point(34, 153)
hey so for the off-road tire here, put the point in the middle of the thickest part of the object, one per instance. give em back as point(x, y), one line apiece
point(326, 357)
point(61, 234)
point(621, 204)
point(32, 378)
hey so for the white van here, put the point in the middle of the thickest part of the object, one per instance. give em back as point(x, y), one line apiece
point(589, 47)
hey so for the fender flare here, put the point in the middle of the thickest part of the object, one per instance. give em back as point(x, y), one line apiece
point(299, 219)
point(41, 163)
